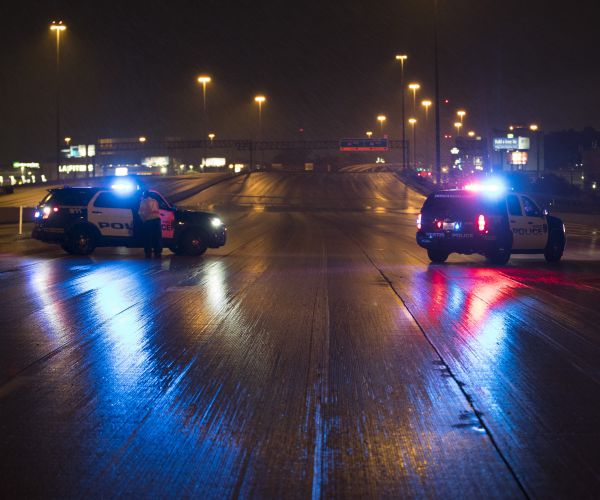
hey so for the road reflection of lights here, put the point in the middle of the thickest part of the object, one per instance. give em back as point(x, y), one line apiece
point(41, 283)
point(118, 302)
point(216, 287)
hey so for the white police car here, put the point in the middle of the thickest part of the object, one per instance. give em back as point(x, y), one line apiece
point(485, 219)
point(83, 218)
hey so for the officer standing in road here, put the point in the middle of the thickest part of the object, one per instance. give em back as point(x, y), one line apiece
point(151, 230)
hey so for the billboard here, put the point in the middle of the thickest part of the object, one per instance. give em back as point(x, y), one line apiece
point(505, 143)
point(363, 145)
point(508, 143)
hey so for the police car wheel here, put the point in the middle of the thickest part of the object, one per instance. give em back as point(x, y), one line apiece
point(193, 243)
point(80, 241)
point(554, 248)
point(437, 255)
point(176, 250)
point(499, 257)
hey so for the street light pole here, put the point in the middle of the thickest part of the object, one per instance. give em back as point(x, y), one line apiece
point(58, 27)
point(535, 129)
point(381, 119)
point(403, 58)
point(438, 164)
point(204, 79)
point(413, 122)
point(426, 104)
point(260, 99)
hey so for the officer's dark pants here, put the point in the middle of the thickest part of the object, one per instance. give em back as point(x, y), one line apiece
point(151, 235)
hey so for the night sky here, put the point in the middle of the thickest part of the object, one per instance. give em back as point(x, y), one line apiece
point(130, 68)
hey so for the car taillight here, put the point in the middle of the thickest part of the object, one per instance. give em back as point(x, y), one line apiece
point(47, 210)
point(481, 223)
point(419, 221)
point(439, 224)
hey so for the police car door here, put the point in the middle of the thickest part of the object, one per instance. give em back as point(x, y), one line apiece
point(112, 214)
point(537, 228)
point(525, 228)
point(167, 216)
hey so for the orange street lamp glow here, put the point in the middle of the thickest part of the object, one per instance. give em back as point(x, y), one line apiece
point(369, 134)
point(142, 139)
point(58, 27)
point(260, 99)
point(67, 140)
point(211, 136)
point(426, 103)
point(458, 125)
point(414, 87)
point(533, 127)
point(461, 114)
point(471, 133)
point(381, 119)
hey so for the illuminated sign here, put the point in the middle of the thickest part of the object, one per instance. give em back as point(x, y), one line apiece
point(511, 142)
point(364, 145)
point(523, 142)
point(82, 151)
point(215, 162)
point(67, 169)
point(20, 164)
point(156, 161)
point(505, 143)
point(517, 158)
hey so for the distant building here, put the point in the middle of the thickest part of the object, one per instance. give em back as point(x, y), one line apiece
point(518, 149)
point(470, 155)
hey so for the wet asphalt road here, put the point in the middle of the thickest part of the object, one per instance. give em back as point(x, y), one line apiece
point(317, 354)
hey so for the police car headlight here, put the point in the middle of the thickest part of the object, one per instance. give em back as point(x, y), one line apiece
point(216, 222)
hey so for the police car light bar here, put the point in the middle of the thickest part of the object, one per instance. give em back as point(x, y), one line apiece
point(124, 187)
point(490, 187)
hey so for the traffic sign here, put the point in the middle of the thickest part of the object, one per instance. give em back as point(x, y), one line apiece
point(364, 145)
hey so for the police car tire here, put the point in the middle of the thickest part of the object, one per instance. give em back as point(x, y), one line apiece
point(555, 247)
point(193, 242)
point(437, 255)
point(500, 257)
point(80, 241)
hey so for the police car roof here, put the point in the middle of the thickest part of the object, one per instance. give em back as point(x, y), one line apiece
point(82, 188)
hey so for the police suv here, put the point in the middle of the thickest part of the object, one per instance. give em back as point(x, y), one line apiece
point(83, 218)
point(488, 221)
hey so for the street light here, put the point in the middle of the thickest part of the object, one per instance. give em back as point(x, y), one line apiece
point(426, 103)
point(461, 114)
point(414, 87)
point(260, 99)
point(381, 119)
point(142, 139)
point(402, 58)
point(369, 134)
point(413, 122)
point(204, 80)
point(58, 28)
point(471, 133)
point(458, 125)
point(211, 136)
point(67, 140)
point(535, 129)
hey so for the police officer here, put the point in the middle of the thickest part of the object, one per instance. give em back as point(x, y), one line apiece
point(151, 230)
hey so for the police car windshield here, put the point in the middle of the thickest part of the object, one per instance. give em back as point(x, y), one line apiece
point(70, 197)
point(460, 204)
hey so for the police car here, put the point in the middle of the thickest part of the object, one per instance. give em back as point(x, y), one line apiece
point(487, 220)
point(83, 218)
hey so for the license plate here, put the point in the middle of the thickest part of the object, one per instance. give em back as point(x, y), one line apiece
point(448, 226)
